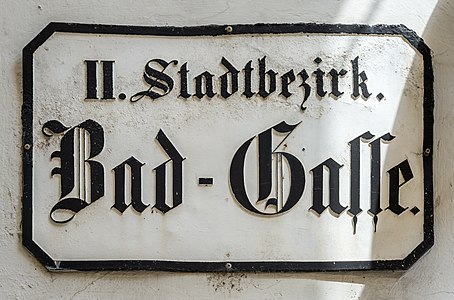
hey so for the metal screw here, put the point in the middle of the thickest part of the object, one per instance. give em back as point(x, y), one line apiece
point(228, 29)
point(27, 146)
point(427, 152)
point(228, 266)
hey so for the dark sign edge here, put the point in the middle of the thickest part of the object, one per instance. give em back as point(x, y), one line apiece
point(230, 266)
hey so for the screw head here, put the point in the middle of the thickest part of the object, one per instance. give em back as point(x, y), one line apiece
point(229, 29)
point(228, 266)
point(427, 152)
point(27, 146)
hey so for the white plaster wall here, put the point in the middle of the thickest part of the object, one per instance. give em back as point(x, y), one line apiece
point(22, 277)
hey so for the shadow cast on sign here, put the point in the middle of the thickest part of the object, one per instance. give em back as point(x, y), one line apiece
point(438, 35)
point(390, 279)
point(387, 283)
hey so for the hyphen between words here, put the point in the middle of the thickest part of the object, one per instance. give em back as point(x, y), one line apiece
point(160, 83)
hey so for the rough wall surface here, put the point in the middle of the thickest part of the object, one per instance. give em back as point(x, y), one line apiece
point(22, 277)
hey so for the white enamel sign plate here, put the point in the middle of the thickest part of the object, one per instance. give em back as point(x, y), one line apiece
point(252, 147)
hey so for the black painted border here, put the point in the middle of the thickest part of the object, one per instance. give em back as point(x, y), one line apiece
point(213, 30)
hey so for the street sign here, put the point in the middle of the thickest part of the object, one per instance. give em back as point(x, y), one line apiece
point(267, 147)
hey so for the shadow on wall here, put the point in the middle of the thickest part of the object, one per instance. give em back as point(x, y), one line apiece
point(432, 275)
point(429, 277)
